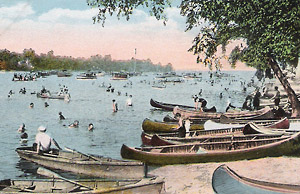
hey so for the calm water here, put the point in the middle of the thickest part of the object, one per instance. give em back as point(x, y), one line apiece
point(90, 103)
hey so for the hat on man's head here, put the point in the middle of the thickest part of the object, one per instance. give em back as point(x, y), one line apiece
point(42, 129)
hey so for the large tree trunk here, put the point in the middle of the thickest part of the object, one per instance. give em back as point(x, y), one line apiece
point(287, 87)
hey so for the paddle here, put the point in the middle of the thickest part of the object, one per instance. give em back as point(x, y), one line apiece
point(86, 155)
point(49, 173)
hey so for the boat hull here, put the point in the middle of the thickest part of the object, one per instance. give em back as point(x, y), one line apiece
point(164, 127)
point(191, 153)
point(145, 185)
point(226, 181)
point(76, 163)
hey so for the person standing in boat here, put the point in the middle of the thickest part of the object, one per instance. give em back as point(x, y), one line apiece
point(43, 141)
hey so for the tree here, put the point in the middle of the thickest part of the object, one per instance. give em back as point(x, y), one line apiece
point(270, 29)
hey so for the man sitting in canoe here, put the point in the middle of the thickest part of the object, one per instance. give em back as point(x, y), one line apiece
point(43, 141)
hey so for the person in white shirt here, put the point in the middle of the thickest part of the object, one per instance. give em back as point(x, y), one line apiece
point(187, 126)
point(44, 141)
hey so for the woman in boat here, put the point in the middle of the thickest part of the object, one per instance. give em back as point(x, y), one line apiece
point(43, 141)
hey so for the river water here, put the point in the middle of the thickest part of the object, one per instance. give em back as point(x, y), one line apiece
point(91, 103)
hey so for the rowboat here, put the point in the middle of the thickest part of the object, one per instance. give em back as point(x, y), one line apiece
point(227, 181)
point(214, 151)
point(77, 162)
point(89, 186)
point(86, 76)
point(119, 76)
point(150, 126)
point(265, 113)
point(166, 106)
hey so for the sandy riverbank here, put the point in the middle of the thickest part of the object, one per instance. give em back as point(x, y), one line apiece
point(196, 178)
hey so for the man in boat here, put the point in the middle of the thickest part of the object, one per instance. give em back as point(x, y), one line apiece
point(278, 111)
point(43, 141)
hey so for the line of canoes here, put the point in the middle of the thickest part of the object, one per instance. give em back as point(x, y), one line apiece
point(245, 135)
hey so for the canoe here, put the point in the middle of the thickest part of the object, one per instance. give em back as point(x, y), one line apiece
point(252, 128)
point(157, 140)
point(265, 113)
point(150, 126)
point(227, 181)
point(167, 106)
point(214, 152)
point(95, 186)
point(79, 163)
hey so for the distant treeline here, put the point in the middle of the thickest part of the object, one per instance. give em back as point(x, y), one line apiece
point(29, 60)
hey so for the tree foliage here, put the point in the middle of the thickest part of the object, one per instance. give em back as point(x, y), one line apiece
point(270, 29)
point(15, 61)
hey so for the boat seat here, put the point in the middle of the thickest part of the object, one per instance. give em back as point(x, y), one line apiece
point(156, 150)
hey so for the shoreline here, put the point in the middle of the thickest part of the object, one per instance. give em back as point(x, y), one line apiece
point(197, 178)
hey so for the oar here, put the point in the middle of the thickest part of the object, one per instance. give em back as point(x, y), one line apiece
point(49, 173)
point(86, 155)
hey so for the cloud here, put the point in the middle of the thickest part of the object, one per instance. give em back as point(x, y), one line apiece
point(20, 10)
point(59, 15)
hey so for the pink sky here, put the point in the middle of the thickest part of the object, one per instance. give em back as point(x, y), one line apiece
point(71, 33)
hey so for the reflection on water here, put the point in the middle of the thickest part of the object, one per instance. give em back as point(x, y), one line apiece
point(91, 103)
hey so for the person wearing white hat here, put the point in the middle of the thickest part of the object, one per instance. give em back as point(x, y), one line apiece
point(44, 141)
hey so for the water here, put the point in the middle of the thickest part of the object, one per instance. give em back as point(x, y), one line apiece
point(90, 103)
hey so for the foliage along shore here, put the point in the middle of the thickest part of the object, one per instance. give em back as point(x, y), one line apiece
point(29, 60)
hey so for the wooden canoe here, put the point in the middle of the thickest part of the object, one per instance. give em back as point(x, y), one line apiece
point(265, 113)
point(167, 106)
point(79, 163)
point(252, 128)
point(96, 186)
point(150, 126)
point(227, 181)
point(157, 140)
point(215, 151)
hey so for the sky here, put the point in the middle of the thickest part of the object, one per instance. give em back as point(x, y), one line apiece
point(67, 28)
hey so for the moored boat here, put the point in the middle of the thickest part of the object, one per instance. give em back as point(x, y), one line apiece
point(76, 162)
point(167, 106)
point(150, 126)
point(157, 140)
point(227, 181)
point(119, 76)
point(82, 186)
point(86, 76)
point(215, 151)
point(265, 113)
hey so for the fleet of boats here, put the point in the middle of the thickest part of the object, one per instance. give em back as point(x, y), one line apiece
point(212, 137)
